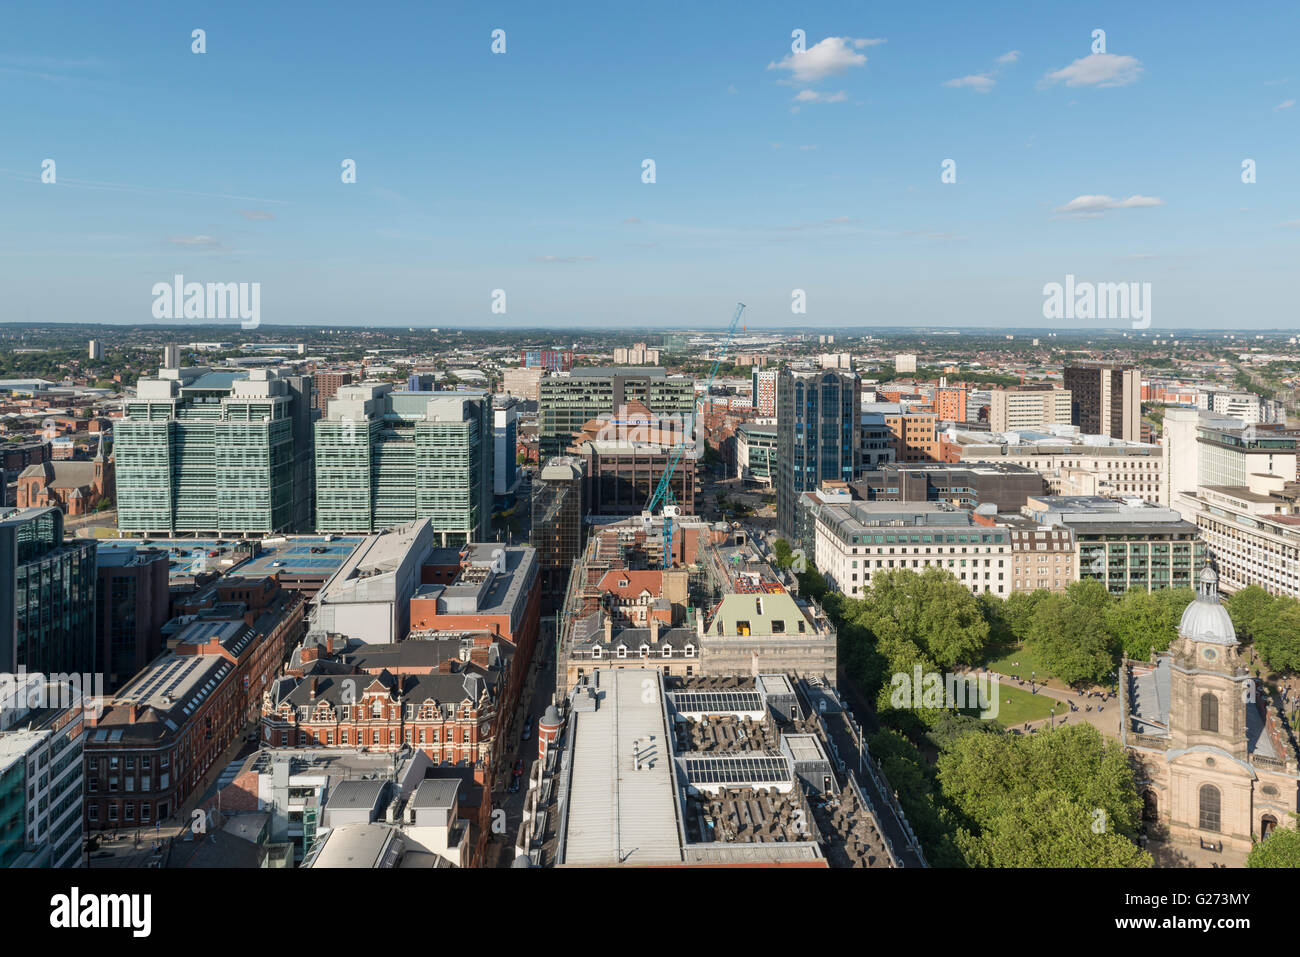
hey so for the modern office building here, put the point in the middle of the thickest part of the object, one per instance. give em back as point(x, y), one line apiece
point(567, 402)
point(505, 468)
point(132, 603)
point(523, 383)
point(386, 458)
point(1125, 544)
point(41, 775)
point(1028, 407)
point(1252, 531)
point(559, 507)
point(217, 453)
point(877, 441)
point(47, 595)
point(819, 435)
point(756, 453)
point(1074, 464)
point(858, 540)
point(1004, 486)
point(1105, 399)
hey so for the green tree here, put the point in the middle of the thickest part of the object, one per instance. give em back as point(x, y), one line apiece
point(1078, 784)
point(1246, 608)
point(1143, 622)
point(1277, 635)
point(1070, 635)
point(1049, 829)
point(1280, 849)
point(932, 610)
point(782, 552)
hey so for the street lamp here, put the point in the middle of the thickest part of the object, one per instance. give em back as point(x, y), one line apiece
point(1053, 719)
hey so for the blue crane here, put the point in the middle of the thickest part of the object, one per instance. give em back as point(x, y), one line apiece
point(663, 493)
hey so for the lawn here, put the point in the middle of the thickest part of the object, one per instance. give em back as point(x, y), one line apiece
point(1016, 706)
point(1028, 663)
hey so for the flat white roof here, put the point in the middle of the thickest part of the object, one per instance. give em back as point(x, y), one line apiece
point(618, 814)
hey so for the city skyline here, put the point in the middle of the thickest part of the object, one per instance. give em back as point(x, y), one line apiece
point(775, 172)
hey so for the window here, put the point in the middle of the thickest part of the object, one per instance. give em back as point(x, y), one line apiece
point(689, 652)
point(1210, 713)
point(622, 651)
point(668, 651)
point(595, 651)
point(1209, 807)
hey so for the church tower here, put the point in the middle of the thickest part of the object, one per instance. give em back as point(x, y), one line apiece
point(1210, 686)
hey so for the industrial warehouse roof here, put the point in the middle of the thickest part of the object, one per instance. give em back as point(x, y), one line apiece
point(616, 813)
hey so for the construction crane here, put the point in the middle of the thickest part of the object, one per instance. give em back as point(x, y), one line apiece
point(663, 493)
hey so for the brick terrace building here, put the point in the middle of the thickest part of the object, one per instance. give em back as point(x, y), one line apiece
point(157, 737)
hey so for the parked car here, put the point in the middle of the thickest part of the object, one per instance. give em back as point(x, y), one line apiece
point(528, 729)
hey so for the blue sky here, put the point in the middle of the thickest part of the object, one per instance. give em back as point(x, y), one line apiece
point(775, 171)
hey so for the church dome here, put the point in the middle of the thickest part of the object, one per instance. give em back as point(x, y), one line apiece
point(1205, 619)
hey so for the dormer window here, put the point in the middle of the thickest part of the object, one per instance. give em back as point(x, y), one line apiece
point(668, 651)
point(690, 651)
point(595, 651)
point(645, 651)
point(622, 651)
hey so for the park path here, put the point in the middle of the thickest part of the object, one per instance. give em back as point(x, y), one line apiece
point(1106, 721)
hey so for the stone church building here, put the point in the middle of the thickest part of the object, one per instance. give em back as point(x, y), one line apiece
point(1216, 768)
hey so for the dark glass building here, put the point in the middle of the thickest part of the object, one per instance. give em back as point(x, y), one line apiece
point(819, 436)
point(47, 595)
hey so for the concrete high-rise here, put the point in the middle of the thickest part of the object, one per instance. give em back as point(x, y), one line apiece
point(1105, 399)
point(1029, 407)
point(819, 435)
point(385, 458)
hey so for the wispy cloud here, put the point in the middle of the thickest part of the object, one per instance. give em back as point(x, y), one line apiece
point(979, 82)
point(1284, 105)
point(813, 96)
point(1092, 206)
point(1099, 70)
point(983, 82)
point(256, 215)
point(196, 242)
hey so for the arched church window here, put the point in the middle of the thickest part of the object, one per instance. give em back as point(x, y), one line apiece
point(1210, 712)
point(1210, 805)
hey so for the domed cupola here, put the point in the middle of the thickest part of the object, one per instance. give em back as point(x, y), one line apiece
point(1205, 619)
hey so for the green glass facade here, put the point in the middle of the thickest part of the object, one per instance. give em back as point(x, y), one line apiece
point(419, 455)
point(210, 462)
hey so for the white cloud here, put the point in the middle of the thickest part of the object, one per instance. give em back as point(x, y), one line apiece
point(871, 42)
point(979, 82)
point(256, 215)
point(194, 241)
point(631, 221)
point(1093, 206)
point(1008, 58)
point(1098, 69)
point(812, 96)
point(828, 57)
point(1284, 105)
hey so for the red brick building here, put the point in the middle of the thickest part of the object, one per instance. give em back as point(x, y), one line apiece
point(154, 741)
